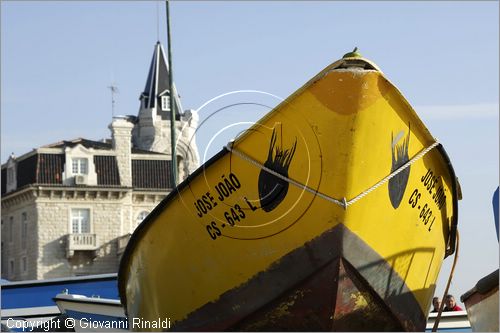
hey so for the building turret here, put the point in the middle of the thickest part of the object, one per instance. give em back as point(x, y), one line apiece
point(152, 130)
point(152, 127)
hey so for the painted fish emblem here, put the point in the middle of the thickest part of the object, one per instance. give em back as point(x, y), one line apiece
point(397, 184)
point(272, 190)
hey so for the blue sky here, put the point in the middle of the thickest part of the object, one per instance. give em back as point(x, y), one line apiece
point(58, 58)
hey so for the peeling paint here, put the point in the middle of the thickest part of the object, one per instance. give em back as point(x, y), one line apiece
point(359, 301)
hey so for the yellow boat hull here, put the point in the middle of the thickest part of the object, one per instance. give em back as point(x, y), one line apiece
point(333, 212)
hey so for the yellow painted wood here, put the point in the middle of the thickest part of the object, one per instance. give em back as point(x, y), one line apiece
point(344, 122)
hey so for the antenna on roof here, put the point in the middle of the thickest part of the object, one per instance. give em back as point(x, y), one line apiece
point(114, 90)
point(172, 104)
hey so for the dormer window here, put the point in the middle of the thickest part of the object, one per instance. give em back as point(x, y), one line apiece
point(144, 100)
point(80, 166)
point(165, 103)
point(10, 175)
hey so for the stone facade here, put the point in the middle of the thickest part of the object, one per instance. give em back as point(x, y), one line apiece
point(69, 208)
point(187, 154)
point(113, 213)
point(16, 211)
point(121, 130)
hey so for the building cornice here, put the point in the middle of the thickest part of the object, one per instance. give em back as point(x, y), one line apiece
point(150, 157)
point(44, 150)
point(60, 151)
point(152, 191)
point(82, 187)
point(21, 195)
point(148, 197)
point(35, 191)
point(47, 191)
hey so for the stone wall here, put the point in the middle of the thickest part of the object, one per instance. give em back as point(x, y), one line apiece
point(158, 138)
point(121, 133)
point(113, 213)
point(109, 211)
point(13, 250)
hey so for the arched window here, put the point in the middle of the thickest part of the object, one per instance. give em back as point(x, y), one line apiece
point(142, 215)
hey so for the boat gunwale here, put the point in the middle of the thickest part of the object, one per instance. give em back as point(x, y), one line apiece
point(452, 236)
point(89, 300)
point(137, 234)
point(485, 285)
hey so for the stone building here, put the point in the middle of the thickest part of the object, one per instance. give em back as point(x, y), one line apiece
point(68, 208)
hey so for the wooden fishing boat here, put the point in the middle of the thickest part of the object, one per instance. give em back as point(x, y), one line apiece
point(29, 305)
point(481, 303)
point(452, 321)
point(333, 212)
point(92, 314)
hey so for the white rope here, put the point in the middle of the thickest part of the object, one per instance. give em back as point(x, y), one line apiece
point(386, 179)
point(344, 203)
point(274, 173)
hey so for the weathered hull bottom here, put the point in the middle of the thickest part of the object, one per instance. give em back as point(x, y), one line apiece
point(333, 299)
point(335, 282)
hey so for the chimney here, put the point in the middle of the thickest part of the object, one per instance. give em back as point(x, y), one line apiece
point(121, 138)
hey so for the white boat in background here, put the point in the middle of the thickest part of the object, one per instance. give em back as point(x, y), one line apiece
point(27, 305)
point(93, 314)
point(453, 321)
point(481, 303)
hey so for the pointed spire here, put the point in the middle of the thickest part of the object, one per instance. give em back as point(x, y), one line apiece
point(157, 86)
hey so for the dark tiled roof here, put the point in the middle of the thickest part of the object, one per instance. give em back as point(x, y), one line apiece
point(151, 174)
point(107, 170)
point(26, 171)
point(84, 142)
point(49, 168)
point(4, 180)
point(96, 145)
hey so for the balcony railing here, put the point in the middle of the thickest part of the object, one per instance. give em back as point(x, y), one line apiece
point(80, 242)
